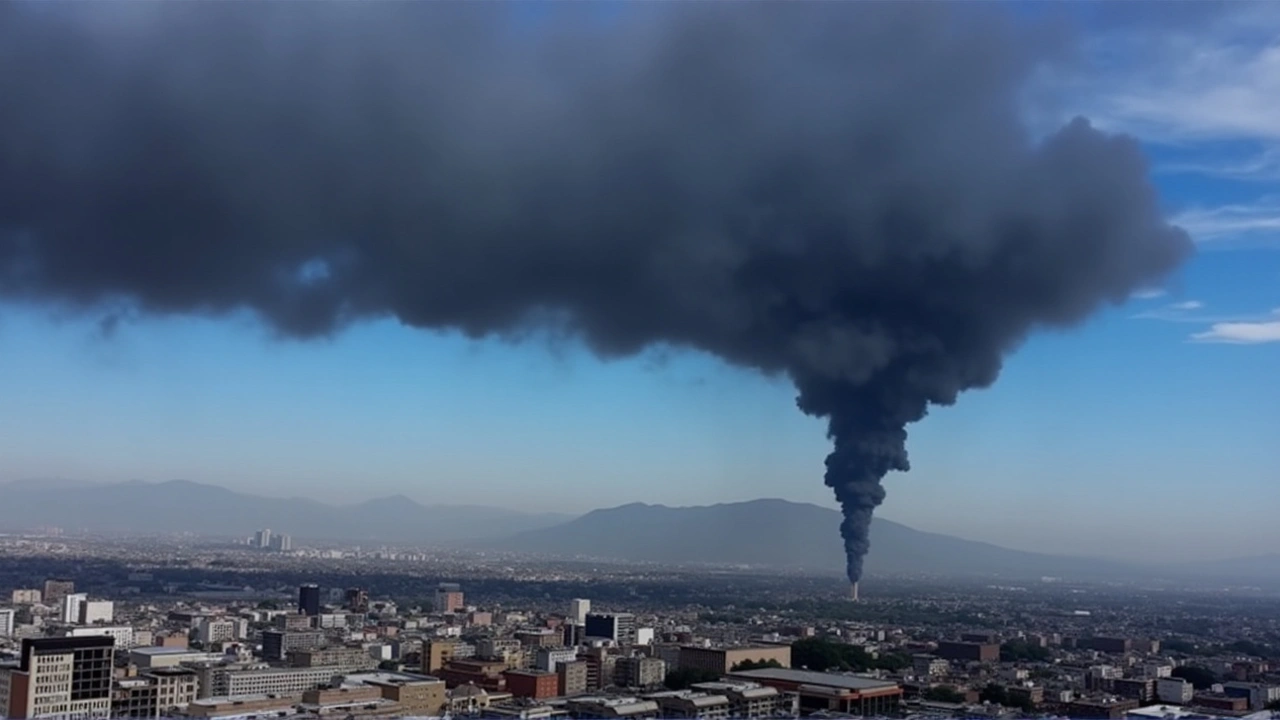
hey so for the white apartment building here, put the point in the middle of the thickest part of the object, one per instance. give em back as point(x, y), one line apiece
point(6, 622)
point(121, 634)
point(97, 611)
point(214, 630)
point(71, 607)
point(1174, 690)
point(578, 609)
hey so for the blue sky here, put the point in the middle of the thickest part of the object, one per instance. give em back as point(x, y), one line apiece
point(1153, 425)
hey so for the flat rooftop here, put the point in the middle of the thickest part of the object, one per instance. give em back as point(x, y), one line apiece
point(810, 677)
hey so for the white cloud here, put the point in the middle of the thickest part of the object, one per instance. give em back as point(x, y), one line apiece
point(1240, 221)
point(1188, 305)
point(1262, 166)
point(1149, 293)
point(1242, 333)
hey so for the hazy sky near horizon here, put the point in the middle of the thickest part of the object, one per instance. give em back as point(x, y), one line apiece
point(1155, 424)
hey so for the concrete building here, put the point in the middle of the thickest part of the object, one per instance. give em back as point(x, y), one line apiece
point(244, 706)
point(122, 635)
point(547, 659)
point(578, 610)
point(281, 543)
point(71, 603)
point(722, 660)
point(277, 644)
point(436, 654)
point(1141, 689)
point(293, 622)
point(639, 672)
point(414, 695)
point(61, 677)
point(752, 701)
point(969, 651)
point(26, 596)
point(929, 666)
point(215, 630)
point(486, 674)
point(6, 622)
point(96, 611)
point(1259, 695)
point(603, 708)
point(573, 677)
point(692, 704)
point(155, 694)
point(618, 627)
point(448, 598)
point(55, 590)
point(261, 680)
point(345, 657)
point(149, 658)
point(1174, 690)
point(262, 538)
point(644, 636)
point(829, 691)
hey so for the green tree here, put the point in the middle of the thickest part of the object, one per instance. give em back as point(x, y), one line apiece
point(944, 693)
point(1200, 678)
point(268, 605)
point(822, 654)
point(755, 665)
point(994, 693)
point(1274, 706)
point(893, 662)
point(684, 677)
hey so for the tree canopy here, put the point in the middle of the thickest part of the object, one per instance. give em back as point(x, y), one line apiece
point(1022, 650)
point(1200, 678)
point(756, 665)
point(822, 654)
point(944, 693)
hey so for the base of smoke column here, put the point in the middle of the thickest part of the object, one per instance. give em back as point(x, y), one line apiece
point(853, 592)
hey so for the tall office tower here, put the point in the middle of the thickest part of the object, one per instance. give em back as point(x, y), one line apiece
point(6, 625)
point(357, 600)
point(448, 598)
point(262, 538)
point(578, 609)
point(71, 607)
point(618, 627)
point(309, 600)
point(281, 543)
point(55, 590)
point(62, 677)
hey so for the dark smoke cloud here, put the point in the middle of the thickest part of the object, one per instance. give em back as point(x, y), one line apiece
point(839, 192)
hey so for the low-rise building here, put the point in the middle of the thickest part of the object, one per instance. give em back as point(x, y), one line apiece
point(829, 691)
point(606, 708)
point(692, 704)
point(750, 700)
point(723, 659)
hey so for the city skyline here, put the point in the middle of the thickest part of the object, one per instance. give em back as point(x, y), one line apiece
point(1163, 406)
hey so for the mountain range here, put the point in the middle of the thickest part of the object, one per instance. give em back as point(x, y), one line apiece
point(759, 533)
point(179, 506)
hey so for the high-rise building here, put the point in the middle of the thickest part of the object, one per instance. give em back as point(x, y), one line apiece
point(357, 600)
point(449, 598)
point(436, 654)
point(97, 611)
point(26, 596)
point(281, 543)
point(309, 600)
point(163, 692)
point(578, 609)
point(262, 538)
point(71, 606)
point(618, 627)
point(639, 672)
point(215, 630)
point(55, 590)
point(61, 677)
point(6, 622)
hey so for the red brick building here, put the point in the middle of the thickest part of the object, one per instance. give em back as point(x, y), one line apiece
point(532, 684)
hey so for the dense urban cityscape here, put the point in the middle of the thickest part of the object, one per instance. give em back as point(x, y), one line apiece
point(270, 627)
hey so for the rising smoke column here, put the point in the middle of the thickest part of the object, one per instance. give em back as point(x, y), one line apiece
point(841, 193)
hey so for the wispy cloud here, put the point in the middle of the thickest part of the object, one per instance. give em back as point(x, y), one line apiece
point(1260, 166)
point(1150, 293)
point(1242, 333)
point(1240, 221)
point(1188, 305)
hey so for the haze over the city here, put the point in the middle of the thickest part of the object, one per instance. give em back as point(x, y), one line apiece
point(1153, 423)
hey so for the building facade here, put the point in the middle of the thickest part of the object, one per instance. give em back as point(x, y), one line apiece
point(62, 679)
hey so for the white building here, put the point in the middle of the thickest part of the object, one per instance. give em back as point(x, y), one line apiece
point(578, 609)
point(6, 623)
point(262, 538)
point(97, 611)
point(548, 659)
point(71, 607)
point(64, 677)
point(644, 636)
point(1174, 690)
point(122, 634)
point(216, 630)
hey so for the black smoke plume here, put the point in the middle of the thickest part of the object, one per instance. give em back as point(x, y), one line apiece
point(841, 192)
